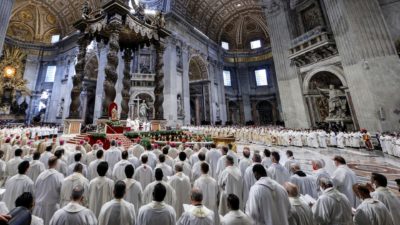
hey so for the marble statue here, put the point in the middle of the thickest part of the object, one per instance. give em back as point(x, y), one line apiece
point(337, 101)
point(180, 106)
point(60, 110)
point(143, 109)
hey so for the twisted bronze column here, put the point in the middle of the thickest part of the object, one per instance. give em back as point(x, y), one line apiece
point(112, 63)
point(78, 79)
point(159, 82)
point(126, 84)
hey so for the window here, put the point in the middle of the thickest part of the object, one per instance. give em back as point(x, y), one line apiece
point(261, 77)
point(227, 78)
point(255, 44)
point(50, 74)
point(225, 45)
point(55, 38)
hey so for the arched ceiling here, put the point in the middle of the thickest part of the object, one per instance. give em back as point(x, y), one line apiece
point(212, 16)
point(37, 20)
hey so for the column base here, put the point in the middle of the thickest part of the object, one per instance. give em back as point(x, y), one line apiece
point(72, 126)
point(157, 125)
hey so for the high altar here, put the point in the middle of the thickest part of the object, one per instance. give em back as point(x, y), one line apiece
point(123, 30)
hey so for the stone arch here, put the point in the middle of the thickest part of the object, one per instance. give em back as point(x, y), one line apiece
point(198, 70)
point(335, 70)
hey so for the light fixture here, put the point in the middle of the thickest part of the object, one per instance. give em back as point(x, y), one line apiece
point(9, 72)
point(238, 5)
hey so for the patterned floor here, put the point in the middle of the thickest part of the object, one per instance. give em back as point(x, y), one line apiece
point(361, 161)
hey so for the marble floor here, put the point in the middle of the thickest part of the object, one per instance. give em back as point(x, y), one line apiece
point(361, 161)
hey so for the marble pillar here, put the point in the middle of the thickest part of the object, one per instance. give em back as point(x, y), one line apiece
point(112, 63)
point(369, 60)
point(126, 82)
point(288, 79)
point(159, 83)
point(197, 110)
point(5, 16)
point(186, 84)
point(78, 79)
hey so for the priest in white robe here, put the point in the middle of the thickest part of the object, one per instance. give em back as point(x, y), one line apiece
point(196, 170)
point(319, 172)
point(92, 167)
point(62, 166)
point(187, 168)
point(100, 189)
point(300, 212)
point(74, 213)
point(77, 158)
point(209, 187)
point(245, 161)
point(151, 157)
point(290, 160)
point(118, 211)
point(44, 158)
point(36, 167)
point(276, 171)
point(181, 184)
point(230, 181)
point(118, 172)
point(113, 155)
point(196, 213)
point(170, 198)
point(263, 191)
point(134, 192)
point(17, 185)
point(26, 200)
point(266, 161)
point(385, 195)
point(306, 184)
point(12, 164)
point(221, 162)
point(167, 170)
point(212, 158)
point(340, 140)
point(74, 180)
point(248, 177)
point(144, 173)
point(332, 207)
point(370, 211)
point(157, 212)
point(344, 179)
point(235, 216)
point(136, 150)
point(47, 191)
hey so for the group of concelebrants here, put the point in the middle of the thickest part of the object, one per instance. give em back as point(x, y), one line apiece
point(281, 136)
point(85, 185)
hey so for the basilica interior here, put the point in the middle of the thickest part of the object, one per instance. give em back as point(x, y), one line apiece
point(298, 63)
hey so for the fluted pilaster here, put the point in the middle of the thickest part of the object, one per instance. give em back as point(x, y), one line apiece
point(5, 16)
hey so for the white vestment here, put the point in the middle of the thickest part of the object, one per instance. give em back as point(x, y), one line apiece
point(73, 214)
point(344, 179)
point(100, 191)
point(263, 191)
point(134, 193)
point(118, 172)
point(236, 217)
point(249, 180)
point(44, 158)
point(152, 159)
point(209, 187)
point(266, 162)
point(117, 211)
point(196, 215)
point(12, 166)
point(300, 213)
point(72, 166)
point(196, 171)
point(181, 184)
point(244, 163)
point(144, 174)
point(15, 186)
point(136, 150)
point(170, 197)
point(278, 173)
point(212, 158)
point(390, 200)
point(112, 156)
point(62, 167)
point(306, 185)
point(69, 183)
point(156, 213)
point(332, 208)
point(220, 166)
point(47, 194)
point(35, 169)
point(372, 212)
point(230, 181)
point(167, 170)
point(92, 169)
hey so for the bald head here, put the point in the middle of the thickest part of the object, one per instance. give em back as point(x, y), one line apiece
point(77, 193)
point(291, 189)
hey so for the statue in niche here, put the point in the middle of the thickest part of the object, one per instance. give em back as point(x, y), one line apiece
point(180, 106)
point(337, 102)
point(60, 110)
point(143, 110)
